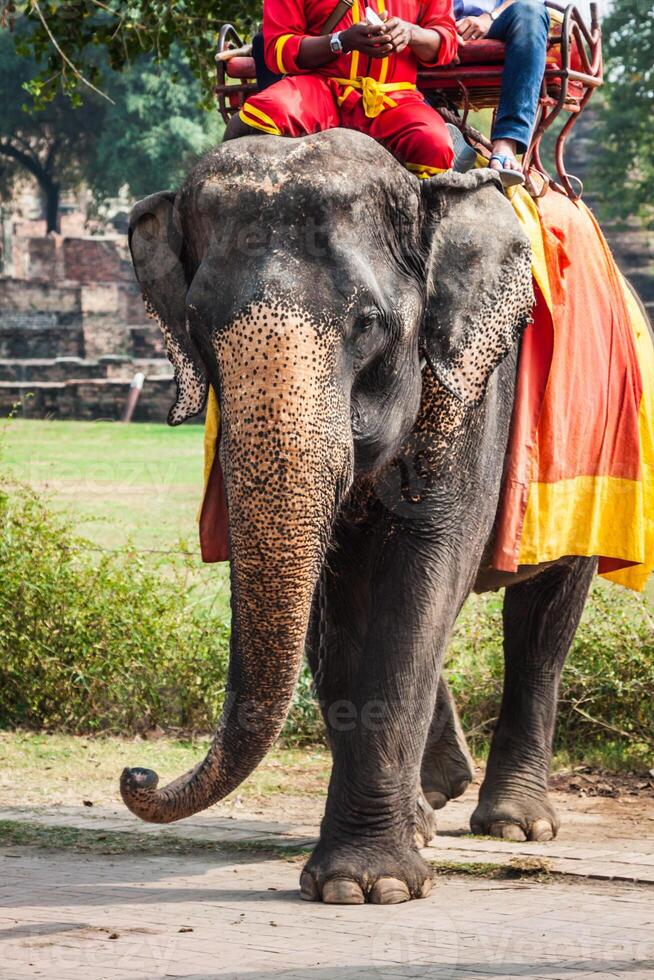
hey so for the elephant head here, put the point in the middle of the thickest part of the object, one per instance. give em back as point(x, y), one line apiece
point(305, 280)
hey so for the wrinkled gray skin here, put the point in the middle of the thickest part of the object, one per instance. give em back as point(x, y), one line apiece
point(306, 280)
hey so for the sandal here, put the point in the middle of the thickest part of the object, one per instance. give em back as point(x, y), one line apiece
point(509, 178)
point(465, 156)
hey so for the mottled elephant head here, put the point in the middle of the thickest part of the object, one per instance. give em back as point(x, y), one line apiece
point(306, 280)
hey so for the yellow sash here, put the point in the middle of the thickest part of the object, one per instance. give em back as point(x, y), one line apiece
point(373, 92)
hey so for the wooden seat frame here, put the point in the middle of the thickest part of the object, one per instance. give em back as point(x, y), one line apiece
point(567, 87)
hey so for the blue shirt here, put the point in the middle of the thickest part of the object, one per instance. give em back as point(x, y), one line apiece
point(473, 8)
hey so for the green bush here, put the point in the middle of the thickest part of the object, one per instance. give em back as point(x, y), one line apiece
point(606, 708)
point(608, 683)
point(97, 643)
point(93, 642)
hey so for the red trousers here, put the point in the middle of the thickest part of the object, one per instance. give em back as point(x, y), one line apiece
point(402, 122)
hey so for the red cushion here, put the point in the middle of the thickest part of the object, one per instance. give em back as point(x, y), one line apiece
point(486, 52)
point(480, 69)
point(241, 68)
point(475, 59)
point(482, 52)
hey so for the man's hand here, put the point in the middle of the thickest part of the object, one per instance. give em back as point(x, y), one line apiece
point(424, 43)
point(473, 28)
point(400, 33)
point(372, 41)
point(392, 37)
point(375, 42)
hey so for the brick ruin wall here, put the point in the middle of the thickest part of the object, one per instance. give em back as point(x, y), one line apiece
point(73, 332)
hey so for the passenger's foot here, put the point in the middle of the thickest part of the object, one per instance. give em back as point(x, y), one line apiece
point(506, 163)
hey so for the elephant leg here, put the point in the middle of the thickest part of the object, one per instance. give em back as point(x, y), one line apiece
point(376, 658)
point(425, 816)
point(425, 821)
point(447, 766)
point(541, 617)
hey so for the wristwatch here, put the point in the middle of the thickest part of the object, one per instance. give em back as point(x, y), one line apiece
point(335, 43)
point(494, 14)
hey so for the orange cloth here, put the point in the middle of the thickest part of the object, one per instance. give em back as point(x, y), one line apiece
point(377, 96)
point(575, 481)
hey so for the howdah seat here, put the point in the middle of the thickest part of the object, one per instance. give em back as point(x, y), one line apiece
point(572, 73)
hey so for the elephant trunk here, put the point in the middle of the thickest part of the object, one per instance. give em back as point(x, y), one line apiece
point(287, 461)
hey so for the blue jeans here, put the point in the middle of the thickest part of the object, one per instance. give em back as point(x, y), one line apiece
point(523, 27)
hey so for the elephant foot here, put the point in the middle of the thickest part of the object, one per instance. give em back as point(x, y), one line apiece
point(516, 819)
point(354, 875)
point(447, 767)
point(448, 774)
point(425, 822)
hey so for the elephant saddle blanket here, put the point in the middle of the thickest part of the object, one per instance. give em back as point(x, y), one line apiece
point(579, 474)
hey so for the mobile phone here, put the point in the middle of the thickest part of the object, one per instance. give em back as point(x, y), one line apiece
point(372, 18)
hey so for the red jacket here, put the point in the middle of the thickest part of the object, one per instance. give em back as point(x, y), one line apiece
point(287, 22)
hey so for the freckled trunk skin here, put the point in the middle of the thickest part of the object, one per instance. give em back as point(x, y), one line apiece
point(286, 452)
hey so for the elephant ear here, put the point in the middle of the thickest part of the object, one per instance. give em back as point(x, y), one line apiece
point(480, 292)
point(156, 244)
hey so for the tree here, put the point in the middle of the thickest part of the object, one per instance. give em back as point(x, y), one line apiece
point(624, 168)
point(48, 144)
point(65, 34)
point(143, 140)
point(156, 128)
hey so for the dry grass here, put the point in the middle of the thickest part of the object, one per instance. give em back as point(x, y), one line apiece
point(65, 769)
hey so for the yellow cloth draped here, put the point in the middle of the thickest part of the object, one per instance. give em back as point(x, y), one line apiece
point(211, 433)
point(598, 512)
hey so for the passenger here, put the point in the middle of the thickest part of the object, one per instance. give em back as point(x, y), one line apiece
point(523, 26)
point(361, 76)
point(265, 77)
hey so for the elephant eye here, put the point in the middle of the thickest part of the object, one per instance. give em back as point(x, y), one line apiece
point(367, 338)
point(367, 320)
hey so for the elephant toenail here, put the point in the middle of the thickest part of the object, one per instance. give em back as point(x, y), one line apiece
point(340, 891)
point(426, 887)
point(508, 831)
point(308, 890)
point(436, 799)
point(389, 891)
point(541, 830)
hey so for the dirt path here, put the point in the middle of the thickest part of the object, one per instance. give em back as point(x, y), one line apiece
point(609, 837)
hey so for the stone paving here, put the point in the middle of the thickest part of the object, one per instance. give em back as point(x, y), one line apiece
point(228, 914)
point(69, 916)
point(599, 838)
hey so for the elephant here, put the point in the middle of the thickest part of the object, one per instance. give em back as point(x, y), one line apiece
point(361, 330)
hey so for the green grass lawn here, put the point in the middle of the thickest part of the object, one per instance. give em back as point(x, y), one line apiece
point(63, 769)
point(140, 483)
